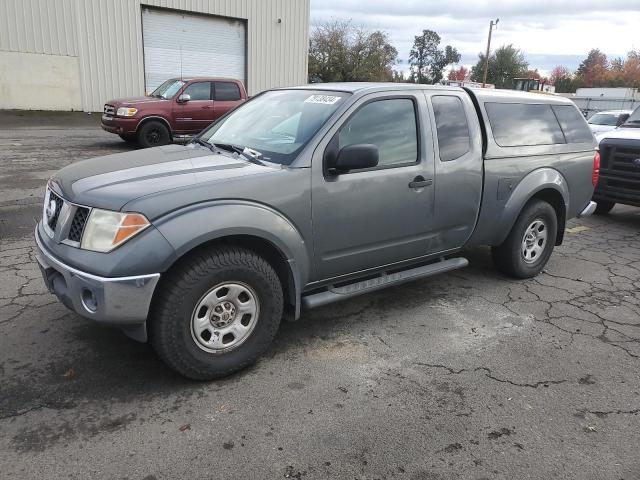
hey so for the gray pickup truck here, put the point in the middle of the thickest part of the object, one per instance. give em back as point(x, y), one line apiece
point(306, 196)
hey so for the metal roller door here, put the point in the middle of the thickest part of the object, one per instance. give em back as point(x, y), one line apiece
point(181, 44)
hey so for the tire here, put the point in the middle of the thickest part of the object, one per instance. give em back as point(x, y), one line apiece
point(604, 207)
point(180, 300)
point(128, 138)
point(522, 255)
point(153, 134)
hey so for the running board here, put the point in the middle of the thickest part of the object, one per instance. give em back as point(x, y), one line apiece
point(335, 294)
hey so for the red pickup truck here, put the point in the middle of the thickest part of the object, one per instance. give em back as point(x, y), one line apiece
point(177, 109)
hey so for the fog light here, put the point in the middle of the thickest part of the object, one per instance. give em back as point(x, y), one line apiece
point(89, 300)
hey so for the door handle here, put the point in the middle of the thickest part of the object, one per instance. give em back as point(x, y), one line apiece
point(206, 107)
point(420, 182)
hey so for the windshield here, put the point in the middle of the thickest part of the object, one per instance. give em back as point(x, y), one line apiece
point(168, 89)
point(278, 124)
point(604, 119)
point(634, 118)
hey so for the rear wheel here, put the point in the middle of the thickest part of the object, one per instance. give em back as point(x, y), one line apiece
point(530, 243)
point(153, 134)
point(604, 207)
point(216, 313)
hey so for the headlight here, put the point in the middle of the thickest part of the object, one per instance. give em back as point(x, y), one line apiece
point(126, 112)
point(106, 230)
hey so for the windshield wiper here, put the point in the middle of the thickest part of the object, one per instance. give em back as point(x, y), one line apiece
point(241, 151)
point(204, 143)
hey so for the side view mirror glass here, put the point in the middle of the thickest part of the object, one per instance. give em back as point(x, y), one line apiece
point(356, 157)
point(184, 98)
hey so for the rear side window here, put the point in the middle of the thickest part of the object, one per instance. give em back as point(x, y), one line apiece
point(573, 124)
point(452, 127)
point(523, 124)
point(227, 91)
point(199, 91)
point(388, 124)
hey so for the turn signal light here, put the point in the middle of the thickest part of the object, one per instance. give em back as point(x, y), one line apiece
point(595, 174)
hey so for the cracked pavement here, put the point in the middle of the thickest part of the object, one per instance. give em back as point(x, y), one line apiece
point(465, 375)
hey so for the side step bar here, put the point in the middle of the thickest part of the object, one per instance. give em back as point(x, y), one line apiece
point(335, 294)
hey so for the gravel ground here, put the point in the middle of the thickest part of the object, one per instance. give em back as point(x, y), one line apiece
point(466, 375)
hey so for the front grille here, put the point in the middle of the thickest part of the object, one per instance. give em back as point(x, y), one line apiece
point(53, 219)
point(619, 174)
point(109, 109)
point(78, 223)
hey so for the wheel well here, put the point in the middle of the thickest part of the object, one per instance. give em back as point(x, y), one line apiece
point(555, 199)
point(266, 250)
point(149, 119)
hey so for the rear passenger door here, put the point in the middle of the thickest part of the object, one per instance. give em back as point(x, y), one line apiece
point(196, 114)
point(226, 97)
point(458, 166)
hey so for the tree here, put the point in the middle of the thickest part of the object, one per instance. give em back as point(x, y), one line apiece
point(594, 69)
point(461, 74)
point(505, 64)
point(427, 59)
point(340, 52)
point(562, 79)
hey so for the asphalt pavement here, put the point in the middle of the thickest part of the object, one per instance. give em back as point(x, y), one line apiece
point(468, 375)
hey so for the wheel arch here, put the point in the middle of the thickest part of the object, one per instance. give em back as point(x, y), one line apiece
point(545, 184)
point(149, 118)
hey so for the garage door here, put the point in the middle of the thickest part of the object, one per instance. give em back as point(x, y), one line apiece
point(180, 44)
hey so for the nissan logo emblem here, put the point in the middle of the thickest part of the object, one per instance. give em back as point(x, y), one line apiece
point(636, 162)
point(50, 210)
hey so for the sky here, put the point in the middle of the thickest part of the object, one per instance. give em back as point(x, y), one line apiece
point(550, 33)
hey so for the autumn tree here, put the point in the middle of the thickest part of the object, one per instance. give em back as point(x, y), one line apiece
point(594, 69)
point(427, 59)
point(505, 64)
point(341, 52)
point(458, 74)
point(561, 78)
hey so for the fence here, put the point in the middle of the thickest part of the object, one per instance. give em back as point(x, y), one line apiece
point(592, 105)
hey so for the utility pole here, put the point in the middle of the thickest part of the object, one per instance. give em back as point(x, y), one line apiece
point(486, 58)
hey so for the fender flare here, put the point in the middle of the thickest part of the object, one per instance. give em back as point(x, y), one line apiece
point(195, 225)
point(155, 117)
point(531, 185)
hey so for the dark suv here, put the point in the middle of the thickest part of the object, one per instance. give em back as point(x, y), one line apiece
point(177, 109)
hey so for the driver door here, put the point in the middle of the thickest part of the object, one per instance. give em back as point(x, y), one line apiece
point(197, 113)
point(368, 218)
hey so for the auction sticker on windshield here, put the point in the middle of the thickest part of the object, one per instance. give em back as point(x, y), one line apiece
point(324, 99)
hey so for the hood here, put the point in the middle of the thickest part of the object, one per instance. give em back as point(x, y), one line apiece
point(596, 129)
point(134, 101)
point(111, 181)
point(620, 132)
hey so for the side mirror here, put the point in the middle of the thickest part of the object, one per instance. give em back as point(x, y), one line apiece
point(621, 119)
point(184, 98)
point(356, 157)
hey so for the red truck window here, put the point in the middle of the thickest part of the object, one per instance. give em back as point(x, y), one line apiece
point(226, 91)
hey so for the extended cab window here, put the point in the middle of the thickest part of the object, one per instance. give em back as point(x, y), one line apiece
point(523, 124)
point(574, 126)
point(389, 124)
point(452, 127)
point(227, 91)
point(199, 91)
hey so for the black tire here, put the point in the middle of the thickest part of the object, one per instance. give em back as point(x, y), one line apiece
point(153, 134)
point(170, 328)
point(603, 207)
point(131, 138)
point(509, 257)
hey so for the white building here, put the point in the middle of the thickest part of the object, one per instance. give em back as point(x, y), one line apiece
point(76, 54)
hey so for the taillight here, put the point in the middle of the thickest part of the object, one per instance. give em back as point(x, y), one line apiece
point(596, 169)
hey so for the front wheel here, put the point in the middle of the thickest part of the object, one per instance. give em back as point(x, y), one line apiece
point(530, 243)
point(216, 313)
point(153, 134)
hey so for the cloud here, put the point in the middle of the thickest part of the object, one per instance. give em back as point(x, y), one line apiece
point(547, 31)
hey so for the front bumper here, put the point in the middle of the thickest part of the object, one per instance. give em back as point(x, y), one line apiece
point(119, 125)
point(122, 301)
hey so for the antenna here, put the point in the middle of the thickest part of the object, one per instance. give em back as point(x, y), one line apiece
point(181, 62)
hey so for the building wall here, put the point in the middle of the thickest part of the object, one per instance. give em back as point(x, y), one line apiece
point(105, 38)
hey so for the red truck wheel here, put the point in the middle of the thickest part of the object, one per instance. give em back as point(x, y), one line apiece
point(153, 134)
